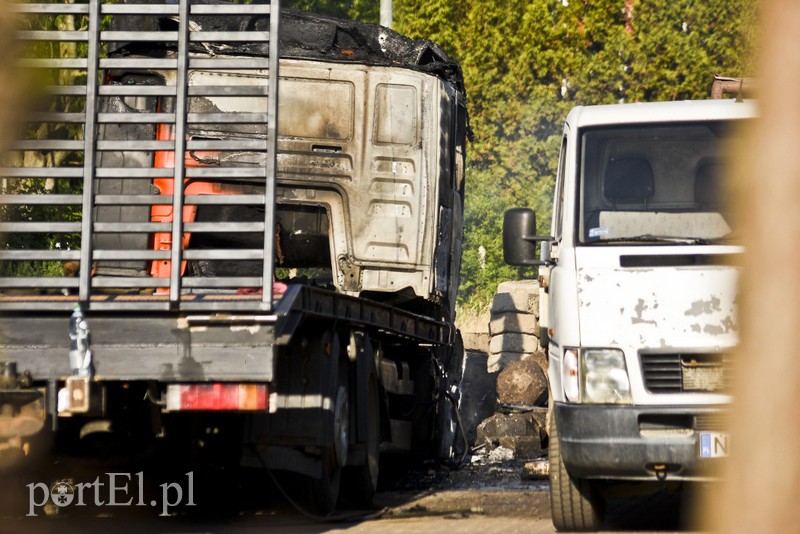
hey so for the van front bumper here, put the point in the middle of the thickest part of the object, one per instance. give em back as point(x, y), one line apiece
point(639, 442)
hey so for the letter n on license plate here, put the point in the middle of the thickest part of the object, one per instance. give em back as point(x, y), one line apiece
point(713, 444)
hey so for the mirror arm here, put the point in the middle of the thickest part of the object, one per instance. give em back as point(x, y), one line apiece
point(536, 238)
point(540, 239)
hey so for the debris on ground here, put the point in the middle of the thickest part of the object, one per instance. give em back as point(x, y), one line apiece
point(536, 470)
point(500, 454)
point(523, 433)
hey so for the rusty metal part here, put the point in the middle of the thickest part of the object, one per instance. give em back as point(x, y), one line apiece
point(738, 87)
point(21, 413)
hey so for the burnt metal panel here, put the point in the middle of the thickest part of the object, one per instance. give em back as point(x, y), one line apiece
point(305, 36)
point(137, 347)
point(305, 302)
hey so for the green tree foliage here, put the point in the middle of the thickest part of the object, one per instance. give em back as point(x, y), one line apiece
point(31, 85)
point(334, 8)
point(363, 10)
point(527, 62)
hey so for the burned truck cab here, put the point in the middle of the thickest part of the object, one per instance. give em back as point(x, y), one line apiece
point(255, 226)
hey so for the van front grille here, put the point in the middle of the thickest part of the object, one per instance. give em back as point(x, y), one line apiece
point(686, 372)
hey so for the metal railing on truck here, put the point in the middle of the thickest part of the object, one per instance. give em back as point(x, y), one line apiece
point(91, 188)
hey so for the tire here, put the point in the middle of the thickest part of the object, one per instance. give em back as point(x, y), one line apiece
point(575, 503)
point(322, 493)
point(361, 481)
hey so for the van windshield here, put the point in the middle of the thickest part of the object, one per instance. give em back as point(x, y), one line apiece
point(650, 183)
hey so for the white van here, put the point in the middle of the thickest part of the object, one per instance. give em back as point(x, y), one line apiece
point(638, 311)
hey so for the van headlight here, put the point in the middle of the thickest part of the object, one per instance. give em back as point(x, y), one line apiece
point(604, 377)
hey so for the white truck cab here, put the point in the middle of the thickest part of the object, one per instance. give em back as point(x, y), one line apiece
point(638, 310)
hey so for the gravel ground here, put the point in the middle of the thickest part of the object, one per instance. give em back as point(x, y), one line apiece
point(478, 488)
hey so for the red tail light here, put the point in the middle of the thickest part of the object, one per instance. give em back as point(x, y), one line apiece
point(217, 397)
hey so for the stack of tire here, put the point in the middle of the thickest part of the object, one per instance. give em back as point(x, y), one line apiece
point(521, 365)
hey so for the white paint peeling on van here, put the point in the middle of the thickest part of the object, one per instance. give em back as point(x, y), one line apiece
point(681, 305)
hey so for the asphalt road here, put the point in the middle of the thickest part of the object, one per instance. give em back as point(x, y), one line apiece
point(480, 498)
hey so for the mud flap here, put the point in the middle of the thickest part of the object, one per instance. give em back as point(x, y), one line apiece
point(449, 441)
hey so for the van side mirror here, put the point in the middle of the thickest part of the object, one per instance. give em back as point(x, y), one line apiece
point(519, 238)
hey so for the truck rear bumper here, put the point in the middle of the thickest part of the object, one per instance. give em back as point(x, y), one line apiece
point(629, 442)
point(142, 347)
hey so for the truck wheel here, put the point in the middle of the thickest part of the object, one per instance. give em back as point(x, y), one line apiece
point(323, 492)
point(575, 503)
point(361, 481)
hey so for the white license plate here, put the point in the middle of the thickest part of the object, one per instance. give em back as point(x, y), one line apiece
point(713, 444)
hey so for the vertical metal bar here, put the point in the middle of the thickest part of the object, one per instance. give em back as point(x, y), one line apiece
point(181, 91)
point(386, 13)
point(270, 166)
point(89, 153)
